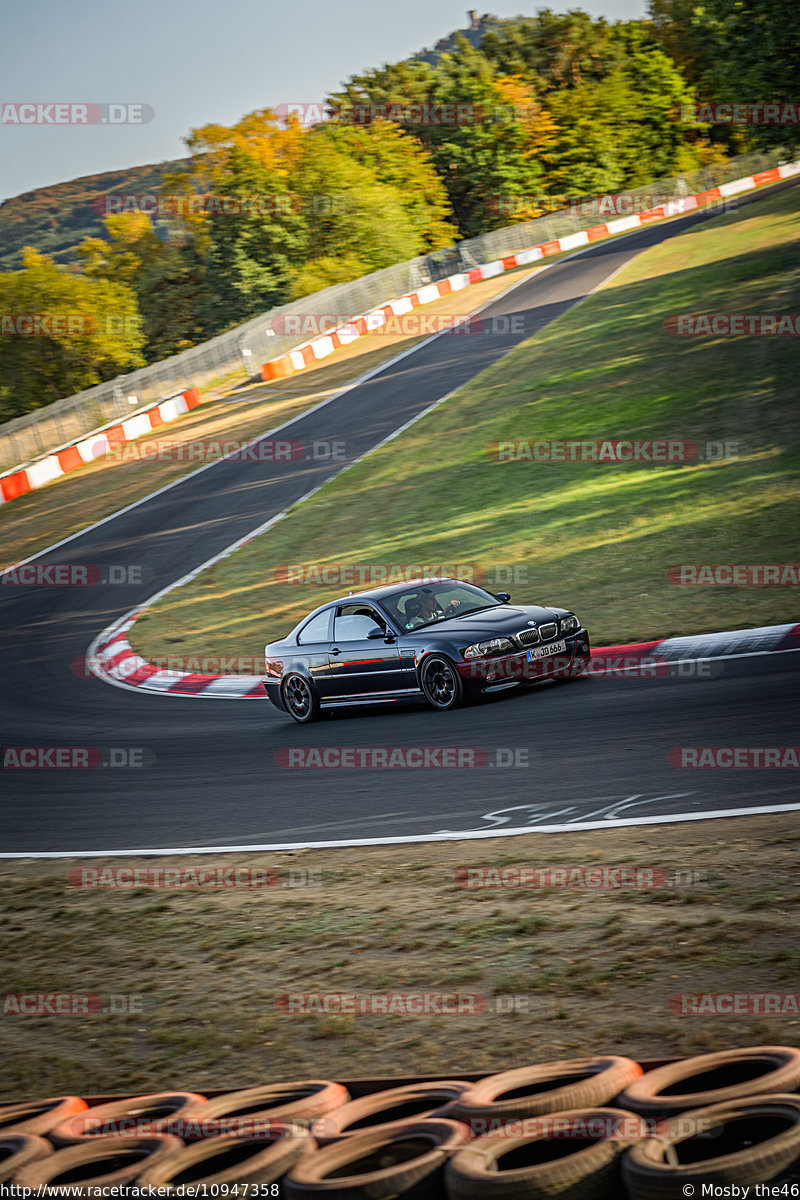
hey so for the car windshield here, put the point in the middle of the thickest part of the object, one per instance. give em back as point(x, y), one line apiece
point(431, 602)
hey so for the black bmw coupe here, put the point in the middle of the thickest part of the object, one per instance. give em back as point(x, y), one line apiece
point(440, 640)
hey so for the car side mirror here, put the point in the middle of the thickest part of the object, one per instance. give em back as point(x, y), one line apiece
point(503, 597)
point(377, 634)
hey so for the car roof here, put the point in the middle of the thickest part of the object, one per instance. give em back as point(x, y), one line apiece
point(390, 589)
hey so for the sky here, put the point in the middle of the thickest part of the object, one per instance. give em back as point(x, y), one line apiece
point(188, 63)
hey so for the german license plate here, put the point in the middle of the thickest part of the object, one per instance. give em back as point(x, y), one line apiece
point(546, 651)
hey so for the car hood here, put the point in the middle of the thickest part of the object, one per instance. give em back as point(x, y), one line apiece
point(506, 619)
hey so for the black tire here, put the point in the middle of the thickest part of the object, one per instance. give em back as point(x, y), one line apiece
point(544, 1088)
point(19, 1149)
point(406, 1157)
point(748, 1141)
point(96, 1162)
point(226, 1160)
point(440, 682)
point(248, 1111)
point(39, 1116)
point(574, 1154)
point(300, 698)
point(373, 1112)
point(142, 1116)
point(712, 1079)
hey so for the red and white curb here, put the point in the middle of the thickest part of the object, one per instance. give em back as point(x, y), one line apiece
point(44, 470)
point(321, 347)
point(698, 647)
point(112, 659)
point(49, 467)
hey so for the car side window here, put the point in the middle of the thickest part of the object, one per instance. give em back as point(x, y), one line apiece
point(317, 629)
point(354, 621)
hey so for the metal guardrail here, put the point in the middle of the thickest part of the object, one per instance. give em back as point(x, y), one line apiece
point(248, 345)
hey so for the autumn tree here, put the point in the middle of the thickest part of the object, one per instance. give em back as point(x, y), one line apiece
point(62, 332)
point(167, 273)
point(258, 239)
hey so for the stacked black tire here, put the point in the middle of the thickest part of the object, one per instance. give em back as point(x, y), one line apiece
point(587, 1129)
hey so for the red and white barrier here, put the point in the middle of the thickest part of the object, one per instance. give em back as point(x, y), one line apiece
point(52, 466)
point(320, 347)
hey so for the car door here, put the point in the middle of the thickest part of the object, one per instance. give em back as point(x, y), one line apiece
point(362, 666)
point(313, 647)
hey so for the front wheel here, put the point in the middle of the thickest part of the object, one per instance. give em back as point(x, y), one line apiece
point(300, 699)
point(440, 682)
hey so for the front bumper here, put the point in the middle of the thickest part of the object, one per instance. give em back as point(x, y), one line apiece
point(497, 670)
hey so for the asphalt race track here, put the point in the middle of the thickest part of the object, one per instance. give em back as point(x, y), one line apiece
point(588, 751)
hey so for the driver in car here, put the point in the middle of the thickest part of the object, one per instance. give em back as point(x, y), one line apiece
point(428, 607)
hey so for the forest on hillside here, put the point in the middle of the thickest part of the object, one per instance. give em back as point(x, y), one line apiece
point(497, 124)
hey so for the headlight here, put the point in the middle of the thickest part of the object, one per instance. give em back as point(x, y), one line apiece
point(495, 646)
point(568, 624)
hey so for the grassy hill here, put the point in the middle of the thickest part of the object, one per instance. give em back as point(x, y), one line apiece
point(56, 219)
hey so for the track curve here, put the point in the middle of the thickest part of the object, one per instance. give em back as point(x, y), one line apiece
point(592, 751)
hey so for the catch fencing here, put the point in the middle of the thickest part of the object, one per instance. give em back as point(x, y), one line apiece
point(242, 349)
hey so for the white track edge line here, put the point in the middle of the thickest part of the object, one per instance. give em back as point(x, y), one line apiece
point(473, 835)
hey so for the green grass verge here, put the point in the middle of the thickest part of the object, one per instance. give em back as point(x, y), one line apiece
point(595, 537)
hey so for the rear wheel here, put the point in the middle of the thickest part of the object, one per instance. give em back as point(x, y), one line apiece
point(440, 682)
point(300, 698)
